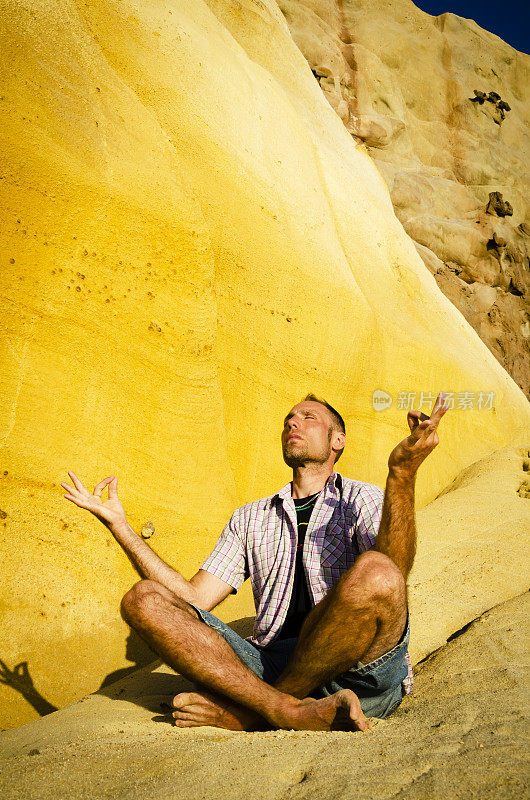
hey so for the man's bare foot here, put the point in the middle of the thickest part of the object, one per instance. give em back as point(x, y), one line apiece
point(320, 715)
point(206, 708)
point(202, 707)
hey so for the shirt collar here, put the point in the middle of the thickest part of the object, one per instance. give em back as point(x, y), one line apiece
point(330, 487)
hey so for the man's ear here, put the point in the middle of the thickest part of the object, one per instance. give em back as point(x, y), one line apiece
point(339, 440)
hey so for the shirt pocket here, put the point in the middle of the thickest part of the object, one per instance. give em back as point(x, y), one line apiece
point(337, 553)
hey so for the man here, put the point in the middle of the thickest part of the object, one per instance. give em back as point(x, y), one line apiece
point(331, 632)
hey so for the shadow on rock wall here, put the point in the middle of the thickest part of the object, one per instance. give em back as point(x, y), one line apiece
point(20, 679)
point(136, 651)
point(153, 689)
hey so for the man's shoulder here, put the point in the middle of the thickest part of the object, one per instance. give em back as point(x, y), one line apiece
point(263, 504)
point(354, 491)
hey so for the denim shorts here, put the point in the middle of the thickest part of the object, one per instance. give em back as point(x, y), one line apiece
point(377, 684)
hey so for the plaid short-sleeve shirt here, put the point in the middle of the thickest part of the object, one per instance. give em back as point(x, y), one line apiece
point(259, 542)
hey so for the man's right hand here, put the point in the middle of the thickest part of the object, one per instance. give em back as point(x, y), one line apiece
point(110, 511)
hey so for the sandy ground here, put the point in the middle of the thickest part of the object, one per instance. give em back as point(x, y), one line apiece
point(461, 734)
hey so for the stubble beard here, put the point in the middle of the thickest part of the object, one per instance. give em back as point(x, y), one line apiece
point(300, 456)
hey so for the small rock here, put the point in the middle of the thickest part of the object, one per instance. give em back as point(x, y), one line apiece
point(148, 530)
point(493, 97)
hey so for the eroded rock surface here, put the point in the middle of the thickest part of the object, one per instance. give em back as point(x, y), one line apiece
point(442, 106)
point(192, 241)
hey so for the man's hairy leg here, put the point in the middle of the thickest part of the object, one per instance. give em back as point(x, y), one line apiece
point(173, 629)
point(361, 619)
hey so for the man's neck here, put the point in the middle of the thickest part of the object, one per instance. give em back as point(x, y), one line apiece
point(307, 480)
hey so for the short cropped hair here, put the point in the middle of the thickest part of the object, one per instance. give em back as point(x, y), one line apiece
point(338, 422)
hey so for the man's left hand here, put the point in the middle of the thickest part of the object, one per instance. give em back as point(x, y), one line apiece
point(406, 457)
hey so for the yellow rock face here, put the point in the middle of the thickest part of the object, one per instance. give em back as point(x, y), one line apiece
point(191, 241)
point(442, 106)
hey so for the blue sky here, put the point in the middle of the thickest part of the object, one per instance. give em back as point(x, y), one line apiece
point(509, 19)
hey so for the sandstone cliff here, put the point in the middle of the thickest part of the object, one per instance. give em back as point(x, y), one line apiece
point(191, 241)
point(442, 106)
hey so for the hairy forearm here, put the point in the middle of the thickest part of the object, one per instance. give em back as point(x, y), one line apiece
point(396, 537)
point(149, 565)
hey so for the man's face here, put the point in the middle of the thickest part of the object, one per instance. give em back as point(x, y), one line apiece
point(307, 435)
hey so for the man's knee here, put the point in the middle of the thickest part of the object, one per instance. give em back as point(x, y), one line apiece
point(145, 598)
point(376, 577)
point(134, 601)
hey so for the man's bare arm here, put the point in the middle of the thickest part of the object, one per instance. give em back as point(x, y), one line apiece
point(397, 531)
point(203, 589)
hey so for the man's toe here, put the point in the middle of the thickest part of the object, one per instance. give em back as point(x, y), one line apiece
point(182, 699)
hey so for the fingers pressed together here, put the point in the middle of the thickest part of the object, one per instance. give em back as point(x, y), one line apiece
point(78, 484)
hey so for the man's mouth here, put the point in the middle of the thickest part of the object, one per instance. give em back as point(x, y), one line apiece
point(293, 436)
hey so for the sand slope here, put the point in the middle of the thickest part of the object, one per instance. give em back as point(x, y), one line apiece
point(463, 733)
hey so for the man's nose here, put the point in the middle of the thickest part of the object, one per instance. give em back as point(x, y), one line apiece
point(292, 423)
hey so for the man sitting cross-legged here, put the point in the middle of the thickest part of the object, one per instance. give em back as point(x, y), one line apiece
point(328, 558)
